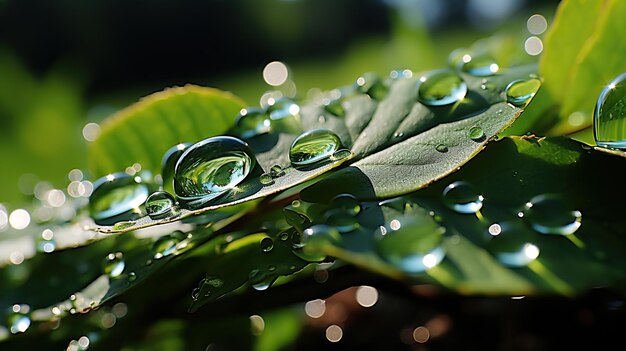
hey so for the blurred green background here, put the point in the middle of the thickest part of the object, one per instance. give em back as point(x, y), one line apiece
point(68, 63)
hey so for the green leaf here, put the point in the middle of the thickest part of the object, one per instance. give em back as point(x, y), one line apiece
point(142, 132)
point(583, 53)
point(508, 174)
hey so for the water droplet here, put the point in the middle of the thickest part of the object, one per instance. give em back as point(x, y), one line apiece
point(340, 154)
point(313, 147)
point(18, 318)
point(335, 107)
point(210, 168)
point(165, 245)
point(310, 243)
point(455, 58)
point(277, 171)
point(511, 244)
point(266, 179)
point(476, 133)
point(401, 74)
point(412, 242)
point(441, 87)
point(160, 204)
point(462, 197)
point(114, 264)
point(550, 214)
point(481, 65)
point(346, 203)
point(132, 276)
point(168, 162)
point(267, 244)
point(371, 84)
point(117, 197)
point(441, 148)
point(284, 108)
point(609, 116)
point(520, 92)
point(251, 122)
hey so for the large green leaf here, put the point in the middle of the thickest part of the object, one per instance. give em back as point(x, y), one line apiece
point(142, 132)
point(508, 174)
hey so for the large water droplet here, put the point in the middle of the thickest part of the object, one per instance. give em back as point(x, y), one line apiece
point(412, 242)
point(520, 92)
point(441, 87)
point(117, 197)
point(18, 318)
point(372, 85)
point(114, 264)
point(160, 204)
point(550, 214)
point(168, 162)
point(309, 244)
point(511, 244)
point(210, 168)
point(609, 116)
point(251, 122)
point(267, 244)
point(462, 197)
point(480, 65)
point(313, 147)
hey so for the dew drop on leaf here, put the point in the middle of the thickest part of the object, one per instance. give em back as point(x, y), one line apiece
point(160, 204)
point(462, 197)
point(313, 147)
point(210, 168)
point(266, 179)
point(251, 122)
point(114, 264)
point(476, 133)
point(609, 116)
point(511, 244)
point(479, 65)
point(118, 197)
point(550, 214)
point(520, 92)
point(441, 87)
point(267, 244)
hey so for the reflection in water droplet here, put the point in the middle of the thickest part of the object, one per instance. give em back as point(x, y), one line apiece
point(481, 65)
point(412, 242)
point(267, 244)
point(266, 179)
point(455, 58)
point(251, 122)
point(372, 85)
point(462, 197)
point(510, 243)
point(340, 154)
point(165, 245)
point(441, 148)
point(609, 116)
point(341, 213)
point(550, 214)
point(114, 264)
point(309, 245)
point(210, 168)
point(284, 236)
point(476, 133)
point(160, 204)
point(276, 171)
point(441, 87)
point(117, 197)
point(520, 92)
point(313, 147)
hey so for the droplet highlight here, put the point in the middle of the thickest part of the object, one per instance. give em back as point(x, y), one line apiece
point(114, 264)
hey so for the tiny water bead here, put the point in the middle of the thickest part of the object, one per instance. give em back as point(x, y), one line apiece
point(118, 197)
point(266, 179)
point(511, 244)
point(277, 171)
point(520, 92)
point(251, 122)
point(550, 214)
point(170, 157)
point(441, 148)
point(609, 115)
point(462, 197)
point(476, 133)
point(114, 264)
point(412, 242)
point(267, 244)
point(372, 85)
point(340, 154)
point(313, 147)
point(160, 204)
point(441, 87)
point(210, 168)
point(310, 243)
point(479, 65)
